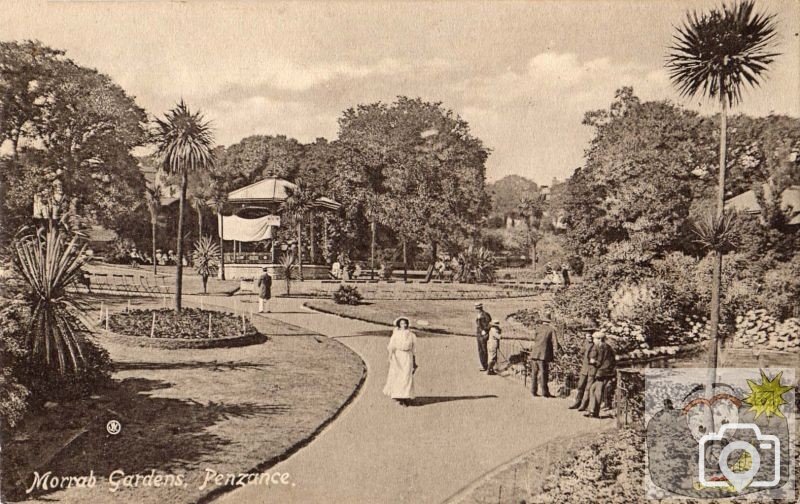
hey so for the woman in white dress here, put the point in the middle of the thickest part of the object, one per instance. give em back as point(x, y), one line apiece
point(402, 363)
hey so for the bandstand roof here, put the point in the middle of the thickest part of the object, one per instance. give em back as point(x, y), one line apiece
point(272, 190)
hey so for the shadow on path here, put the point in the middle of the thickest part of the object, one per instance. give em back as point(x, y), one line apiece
point(426, 400)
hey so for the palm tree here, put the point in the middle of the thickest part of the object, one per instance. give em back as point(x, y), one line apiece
point(532, 208)
point(153, 198)
point(299, 203)
point(716, 55)
point(206, 259)
point(184, 141)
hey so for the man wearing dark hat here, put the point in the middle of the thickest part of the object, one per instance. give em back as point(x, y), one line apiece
point(587, 371)
point(482, 322)
point(265, 290)
point(542, 354)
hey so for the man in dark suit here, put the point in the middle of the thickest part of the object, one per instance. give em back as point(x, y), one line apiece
point(482, 322)
point(604, 361)
point(542, 354)
point(586, 376)
point(264, 290)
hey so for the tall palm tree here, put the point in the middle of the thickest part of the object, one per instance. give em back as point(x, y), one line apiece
point(715, 55)
point(298, 205)
point(532, 208)
point(184, 141)
point(153, 198)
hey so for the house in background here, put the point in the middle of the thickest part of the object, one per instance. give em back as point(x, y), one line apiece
point(747, 202)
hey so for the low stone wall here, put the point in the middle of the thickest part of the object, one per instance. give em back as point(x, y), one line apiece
point(250, 271)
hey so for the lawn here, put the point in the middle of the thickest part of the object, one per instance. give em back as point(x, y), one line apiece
point(453, 317)
point(184, 412)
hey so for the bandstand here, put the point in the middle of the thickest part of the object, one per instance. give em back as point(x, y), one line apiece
point(251, 215)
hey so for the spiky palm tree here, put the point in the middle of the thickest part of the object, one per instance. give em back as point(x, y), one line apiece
point(298, 205)
point(50, 263)
point(206, 259)
point(184, 141)
point(152, 196)
point(715, 55)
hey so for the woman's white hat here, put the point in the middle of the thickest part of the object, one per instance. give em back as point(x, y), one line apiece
point(398, 319)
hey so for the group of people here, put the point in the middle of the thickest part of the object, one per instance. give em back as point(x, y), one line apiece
point(345, 269)
point(557, 276)
point(595, 380)
point(598, 366)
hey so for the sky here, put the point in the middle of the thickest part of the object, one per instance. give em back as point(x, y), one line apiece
point(522, 74)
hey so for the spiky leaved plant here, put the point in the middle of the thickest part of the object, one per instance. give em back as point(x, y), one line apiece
point(288, 266)
point(49, 262)
point(205, 258)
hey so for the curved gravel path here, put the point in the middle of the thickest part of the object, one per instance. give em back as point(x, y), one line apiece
point(464, 424)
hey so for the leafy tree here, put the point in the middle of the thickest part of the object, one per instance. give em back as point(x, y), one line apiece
point(637, 184)
point(717, 54)
point(184, 141)
point(509, 193)
point(71, 130)
point(258, 156)
point(533, 208)
point(421, 154)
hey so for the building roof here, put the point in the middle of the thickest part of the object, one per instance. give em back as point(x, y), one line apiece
point(748, 203)
point(272, 189)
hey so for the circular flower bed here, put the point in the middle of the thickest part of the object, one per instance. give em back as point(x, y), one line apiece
point(189, 329)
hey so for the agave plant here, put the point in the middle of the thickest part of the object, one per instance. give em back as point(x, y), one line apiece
point(49, 264)
point(288, 266)
point(476, 265)
point(717, 233)
point(206, 259)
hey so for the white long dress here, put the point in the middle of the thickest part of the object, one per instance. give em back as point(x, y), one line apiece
point(400, 381)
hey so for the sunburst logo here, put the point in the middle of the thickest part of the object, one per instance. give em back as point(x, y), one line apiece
point(767, 397)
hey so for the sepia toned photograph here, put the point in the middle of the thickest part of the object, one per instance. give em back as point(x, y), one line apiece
point(445, 252)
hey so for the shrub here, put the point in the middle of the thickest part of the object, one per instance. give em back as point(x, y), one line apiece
point(476, 265)
point(205, 258)
point(347, 294)
point(14, 320)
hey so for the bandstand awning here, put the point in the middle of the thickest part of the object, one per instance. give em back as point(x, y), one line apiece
point(273, 190)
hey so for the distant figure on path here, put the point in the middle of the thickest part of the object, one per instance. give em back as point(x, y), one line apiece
point(482, 322)
point(402, 363)
point(493, 345)
point(565, 274)
point(587, 371)
point(264, 290)
point(542, 354)
point(602, 358)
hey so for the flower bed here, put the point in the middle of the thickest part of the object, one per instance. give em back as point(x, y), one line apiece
point(189, 329)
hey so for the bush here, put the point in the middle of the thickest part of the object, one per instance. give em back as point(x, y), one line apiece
point(348, 295)
point(14, 317)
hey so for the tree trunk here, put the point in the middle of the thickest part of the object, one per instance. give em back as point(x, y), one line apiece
point(312, 240)
point(716, 281)
point(300, 247)
point(533, 248)
point(405, 263)
point(179, 270)
point(153, 229)
point(373, 227)
point(221, 248)
point(205, 284)
point(434, 253)
point(199, 222)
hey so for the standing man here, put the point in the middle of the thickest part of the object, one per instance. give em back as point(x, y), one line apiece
point(604, 361)
point(587, 371)
point(482, 322)
point(265, 290)
point(493, 345)
point(542, 354)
